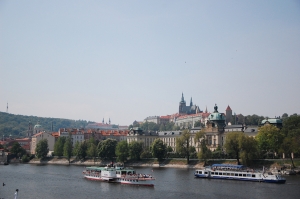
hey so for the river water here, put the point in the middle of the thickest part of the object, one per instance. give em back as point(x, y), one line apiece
point(60, 182)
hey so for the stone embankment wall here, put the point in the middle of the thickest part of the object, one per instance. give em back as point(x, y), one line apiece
point(63, 161)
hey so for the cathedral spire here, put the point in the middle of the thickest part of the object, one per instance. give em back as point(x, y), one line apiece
point(191, 103)
point(182, 98)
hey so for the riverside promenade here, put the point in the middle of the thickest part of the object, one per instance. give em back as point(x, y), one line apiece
point(143, 163)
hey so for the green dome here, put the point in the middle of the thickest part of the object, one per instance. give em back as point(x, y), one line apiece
point(37, 126)
point(216, 116)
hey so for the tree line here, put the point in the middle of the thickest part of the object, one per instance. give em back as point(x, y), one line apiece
point(17, 125)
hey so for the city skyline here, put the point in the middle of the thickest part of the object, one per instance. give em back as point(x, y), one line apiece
point(130, 60)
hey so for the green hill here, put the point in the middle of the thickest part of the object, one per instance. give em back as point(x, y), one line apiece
point(17, 125)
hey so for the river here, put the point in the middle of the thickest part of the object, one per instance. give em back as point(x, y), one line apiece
point(60, 182)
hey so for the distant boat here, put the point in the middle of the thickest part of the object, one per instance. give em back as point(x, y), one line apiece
point(118, 174)
point(237, 172)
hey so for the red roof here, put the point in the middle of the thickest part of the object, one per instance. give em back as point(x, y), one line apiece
point(165, 117)
point(228, 108)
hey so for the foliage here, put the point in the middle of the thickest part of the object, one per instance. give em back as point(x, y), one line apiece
point(25, 158)
point(169, 149)
point(68, 148)
point(80, 150)
point(248, 149)
point(269, 138)
point(17, 149)
point(183, 144)
point(232, 144)
point(200, 135)
point(76, 150)
point(204, 152)
point(42, 149)
point(158, 149)
point(106, 148)
point(17, 125)
point(59, 146)
point(146, 154)
point(135, 150)
point(253, 119)
point(92, 151)
point(122, 151)
point(291, 131)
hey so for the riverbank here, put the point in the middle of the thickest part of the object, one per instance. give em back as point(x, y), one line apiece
point(142, 163)
point(168, 163)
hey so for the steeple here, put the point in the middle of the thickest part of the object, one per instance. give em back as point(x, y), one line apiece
point(7, 108)
point(103, 121)
point(206, 110)
point(182, 98)
point(109, 120)
point(191, 103)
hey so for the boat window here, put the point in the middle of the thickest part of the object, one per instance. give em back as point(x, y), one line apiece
point(213, 173)
point(244, 175)
point(248, 175)
point(240, 174)
point(200, 172)
point(236, 174)
point(232, 174)
point(217, 173)
point(253, 175)
point(205, 172)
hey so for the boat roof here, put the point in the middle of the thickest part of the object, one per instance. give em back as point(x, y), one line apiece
point(228, 166)
point(96, 168)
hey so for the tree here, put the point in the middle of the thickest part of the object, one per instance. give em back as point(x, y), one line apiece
point(288, 147)
point(68, 148)
point(183, 144)
point(291, 131)
point(159, 149)
point(135, 150)
point(82, 151)
point(200, 135)
point(42, 149)
point(204, 152)
point(232, 144)
point(248, 149)
point(59, 146)
point(269, 138)
point(197, 123)
point(76, 150)
point(122, 151)
point(17, 149)
point(107, 148)
point(92, 151)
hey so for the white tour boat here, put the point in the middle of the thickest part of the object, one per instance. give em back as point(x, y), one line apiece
point(118, 174)
point(237, 172)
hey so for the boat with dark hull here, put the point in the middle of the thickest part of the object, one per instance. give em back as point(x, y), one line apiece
point(237, 172)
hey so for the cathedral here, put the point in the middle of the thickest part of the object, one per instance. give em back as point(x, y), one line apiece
point(191, 109)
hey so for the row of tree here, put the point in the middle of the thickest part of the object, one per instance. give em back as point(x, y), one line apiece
point(269, 140)
point(151, 126)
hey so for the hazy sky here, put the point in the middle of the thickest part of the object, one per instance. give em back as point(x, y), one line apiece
point(126, 60)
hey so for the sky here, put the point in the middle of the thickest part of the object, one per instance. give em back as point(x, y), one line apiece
point(127, 60)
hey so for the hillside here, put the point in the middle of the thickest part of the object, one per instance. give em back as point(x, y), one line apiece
point(17, 125)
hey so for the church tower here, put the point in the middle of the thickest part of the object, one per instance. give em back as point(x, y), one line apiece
point(191, 102)
point(182, 105)
point(30, 130)
point(228, 113)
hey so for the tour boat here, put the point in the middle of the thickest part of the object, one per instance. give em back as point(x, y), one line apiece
point(118, 174)
point(237, 172)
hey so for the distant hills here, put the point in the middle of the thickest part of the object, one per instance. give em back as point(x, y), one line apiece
point(17, 125)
